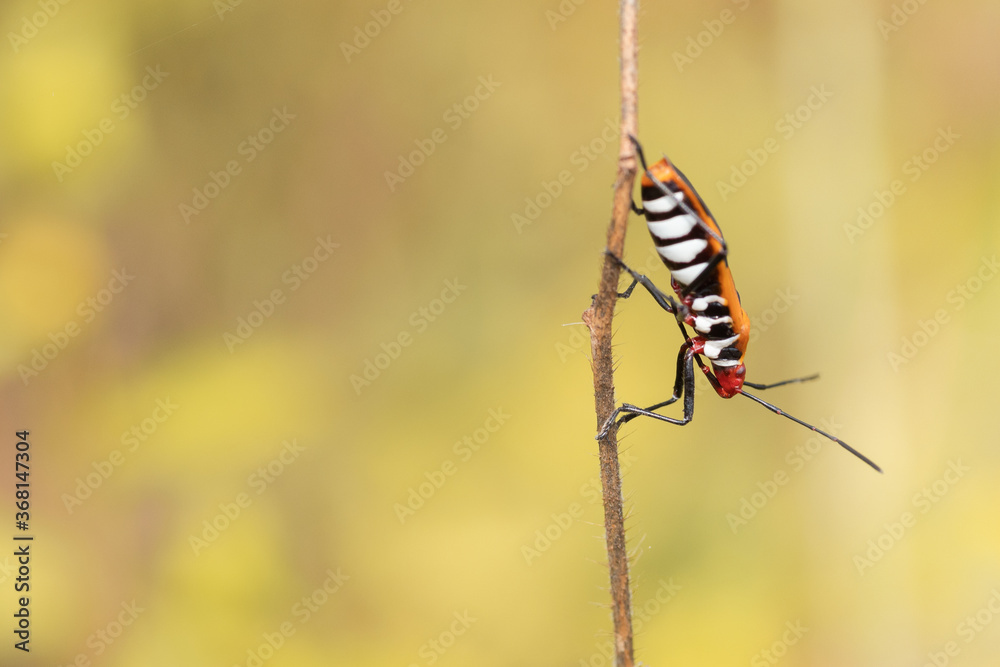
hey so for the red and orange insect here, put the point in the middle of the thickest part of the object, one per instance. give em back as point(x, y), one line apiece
point(691, 244)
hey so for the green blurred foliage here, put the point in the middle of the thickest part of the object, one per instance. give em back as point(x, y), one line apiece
point(448, 502)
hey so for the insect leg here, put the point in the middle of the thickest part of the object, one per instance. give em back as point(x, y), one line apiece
point(665, 190)
point(678, 388)
point(665, 301)
point(710, 375)
point(642, 156)
point(718, 257)
point(683, 386)
point(706, 273)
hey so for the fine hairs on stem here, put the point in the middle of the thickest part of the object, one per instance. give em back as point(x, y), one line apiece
point(598, 320)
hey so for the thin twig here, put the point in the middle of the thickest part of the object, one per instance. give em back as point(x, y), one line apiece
point(598, 319)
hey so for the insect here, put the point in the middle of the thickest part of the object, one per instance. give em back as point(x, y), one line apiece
point(690, 243)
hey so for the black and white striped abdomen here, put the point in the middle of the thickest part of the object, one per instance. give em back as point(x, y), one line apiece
point(714, 322)
point(686, 248)
point(682, 243)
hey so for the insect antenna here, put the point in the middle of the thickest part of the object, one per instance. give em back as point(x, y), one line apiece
point(840, 442)
point(814, 376)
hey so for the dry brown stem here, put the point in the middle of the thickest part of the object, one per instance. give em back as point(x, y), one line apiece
point(598, 319)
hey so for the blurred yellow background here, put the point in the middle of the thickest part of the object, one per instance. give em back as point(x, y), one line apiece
point(289, 302)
